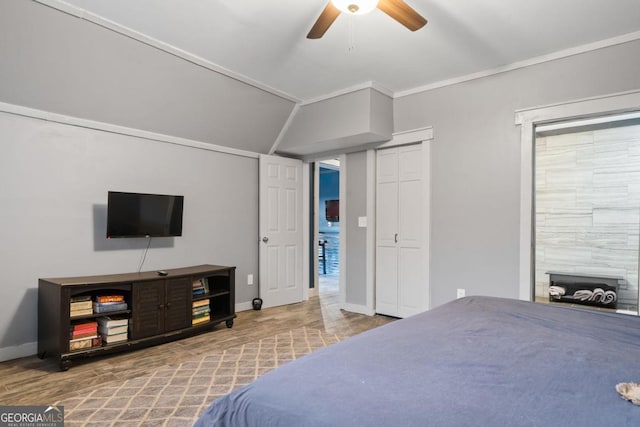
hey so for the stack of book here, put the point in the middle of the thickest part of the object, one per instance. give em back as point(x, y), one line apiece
point(80, 306)
point(109, 303)
point(113, 330)
point(200, 312)
point(200, 287)
point(83, 336)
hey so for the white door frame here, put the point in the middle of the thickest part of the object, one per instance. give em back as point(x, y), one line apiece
point(305, 232)
point(342, 196)
point(528, 119)
point(342, 246)
point(313, 227)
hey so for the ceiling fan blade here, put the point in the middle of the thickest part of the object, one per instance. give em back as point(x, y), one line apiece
point(326, 18)
point(403, 13)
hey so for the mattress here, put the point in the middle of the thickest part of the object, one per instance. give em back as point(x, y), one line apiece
point(474, 361)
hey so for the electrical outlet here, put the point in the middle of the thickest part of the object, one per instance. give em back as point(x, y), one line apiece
point(461, 293)
point(250, 279)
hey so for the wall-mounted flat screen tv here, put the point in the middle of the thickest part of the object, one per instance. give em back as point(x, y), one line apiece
point(143, 215)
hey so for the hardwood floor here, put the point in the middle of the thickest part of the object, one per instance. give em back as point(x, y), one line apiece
point(31, 381)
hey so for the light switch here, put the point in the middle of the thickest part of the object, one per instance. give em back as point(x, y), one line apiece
point(362, 221)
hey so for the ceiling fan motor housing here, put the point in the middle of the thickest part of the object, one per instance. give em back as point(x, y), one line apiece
point(356, 7)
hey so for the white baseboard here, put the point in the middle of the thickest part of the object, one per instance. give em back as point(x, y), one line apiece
point(355, 308)
point(244, 306)
point(18, 351)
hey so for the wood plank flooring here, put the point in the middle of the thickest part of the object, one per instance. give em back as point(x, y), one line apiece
point(31, 381)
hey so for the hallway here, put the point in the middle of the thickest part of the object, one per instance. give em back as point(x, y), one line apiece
point(329, 282)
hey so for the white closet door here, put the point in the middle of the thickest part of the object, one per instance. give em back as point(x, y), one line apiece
point(411, 285)
point(401, 268)
point(386, 232)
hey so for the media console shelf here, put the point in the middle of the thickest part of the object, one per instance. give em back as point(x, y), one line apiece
point(143, 309)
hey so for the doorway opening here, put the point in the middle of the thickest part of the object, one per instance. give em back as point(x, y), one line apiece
point(587, 213)
point(327, 221)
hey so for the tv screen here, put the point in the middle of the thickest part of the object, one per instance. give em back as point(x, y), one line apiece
point(143, 215)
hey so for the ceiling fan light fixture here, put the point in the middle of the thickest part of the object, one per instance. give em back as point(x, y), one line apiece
point(355, 7)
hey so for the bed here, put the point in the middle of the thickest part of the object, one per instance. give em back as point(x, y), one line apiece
point(475, 361)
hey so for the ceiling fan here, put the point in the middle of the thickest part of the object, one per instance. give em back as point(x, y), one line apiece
point(397, 9)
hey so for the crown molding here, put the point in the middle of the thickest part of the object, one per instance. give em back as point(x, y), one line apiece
point(577, 50)
point(85, 15)
point(33, 113)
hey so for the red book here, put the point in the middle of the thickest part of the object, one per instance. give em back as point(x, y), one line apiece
point(84, 329)
point(86, 325)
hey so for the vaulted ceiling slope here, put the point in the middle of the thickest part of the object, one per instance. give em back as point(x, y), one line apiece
point(231, 72)
point(266, 40)
point(57, 62)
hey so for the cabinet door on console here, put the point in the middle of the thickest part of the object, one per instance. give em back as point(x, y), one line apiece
point(161, 306)
point(178, 304)
point(148, 309)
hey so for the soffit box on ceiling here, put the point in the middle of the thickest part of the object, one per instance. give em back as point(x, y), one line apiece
point(340, 124)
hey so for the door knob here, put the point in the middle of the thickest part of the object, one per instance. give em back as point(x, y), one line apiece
point(265, 239)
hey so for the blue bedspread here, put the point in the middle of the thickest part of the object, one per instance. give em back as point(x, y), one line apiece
point(476, 361)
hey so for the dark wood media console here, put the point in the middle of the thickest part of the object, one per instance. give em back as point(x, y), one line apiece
point(159, 308)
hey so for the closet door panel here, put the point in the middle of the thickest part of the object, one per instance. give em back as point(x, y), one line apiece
point(386, 232)
point(410, 216)
point(387, 214)
point(412, 290)
point(387, 163)
point(410, 163)
point(387, 281)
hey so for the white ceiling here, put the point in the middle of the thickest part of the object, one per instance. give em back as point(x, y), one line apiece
point(265, 40)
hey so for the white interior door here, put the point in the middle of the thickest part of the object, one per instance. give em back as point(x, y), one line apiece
point(281, 250)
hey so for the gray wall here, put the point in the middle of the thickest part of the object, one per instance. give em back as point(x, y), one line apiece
point(356, 167)
point(55, 179)
point(476, 161)
point(57, 62)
